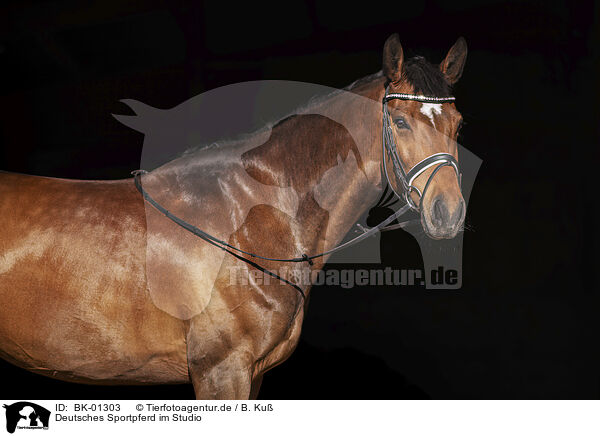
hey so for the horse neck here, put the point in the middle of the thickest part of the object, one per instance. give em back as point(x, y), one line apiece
point(326, 160)
point(363, 118)
point(330, 155)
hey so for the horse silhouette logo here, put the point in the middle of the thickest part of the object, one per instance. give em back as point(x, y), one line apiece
point(26, 415)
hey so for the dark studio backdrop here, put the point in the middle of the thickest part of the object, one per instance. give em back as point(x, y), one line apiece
point(525, 323)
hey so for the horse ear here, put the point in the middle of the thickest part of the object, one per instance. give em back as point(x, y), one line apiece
point(393, 56)
point(452, 66)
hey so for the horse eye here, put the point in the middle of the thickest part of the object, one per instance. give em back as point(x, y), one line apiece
point(401, 123)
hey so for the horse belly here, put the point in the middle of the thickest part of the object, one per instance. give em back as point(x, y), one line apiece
point(74, 329)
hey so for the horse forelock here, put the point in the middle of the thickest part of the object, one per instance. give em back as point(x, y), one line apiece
point(425, 78)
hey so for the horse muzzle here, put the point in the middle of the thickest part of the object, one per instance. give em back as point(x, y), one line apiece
point(443, 218)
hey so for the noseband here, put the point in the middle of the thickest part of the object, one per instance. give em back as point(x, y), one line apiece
point(407, 178)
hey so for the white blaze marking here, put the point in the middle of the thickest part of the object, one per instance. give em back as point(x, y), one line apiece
point(429, 109)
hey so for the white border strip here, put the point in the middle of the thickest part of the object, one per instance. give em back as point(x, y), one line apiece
point(464, 418)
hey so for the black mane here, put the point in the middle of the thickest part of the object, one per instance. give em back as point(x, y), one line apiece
point(427, 79)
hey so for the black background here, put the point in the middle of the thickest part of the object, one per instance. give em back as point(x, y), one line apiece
point(525, 323)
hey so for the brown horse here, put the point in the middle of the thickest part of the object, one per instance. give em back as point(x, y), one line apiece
point(75, 255)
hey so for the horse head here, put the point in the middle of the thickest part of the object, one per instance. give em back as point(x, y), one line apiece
point(423, 122)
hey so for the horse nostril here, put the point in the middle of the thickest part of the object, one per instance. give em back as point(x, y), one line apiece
point(439, 213)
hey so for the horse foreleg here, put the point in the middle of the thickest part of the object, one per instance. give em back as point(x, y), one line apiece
point(230, 379)
point(256, 382)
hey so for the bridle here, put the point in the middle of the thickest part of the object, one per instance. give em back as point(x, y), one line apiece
point(406, 178)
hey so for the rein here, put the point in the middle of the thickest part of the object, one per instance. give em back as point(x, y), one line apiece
point(442, 159)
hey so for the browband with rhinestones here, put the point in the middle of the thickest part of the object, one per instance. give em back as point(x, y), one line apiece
point(422, 98)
